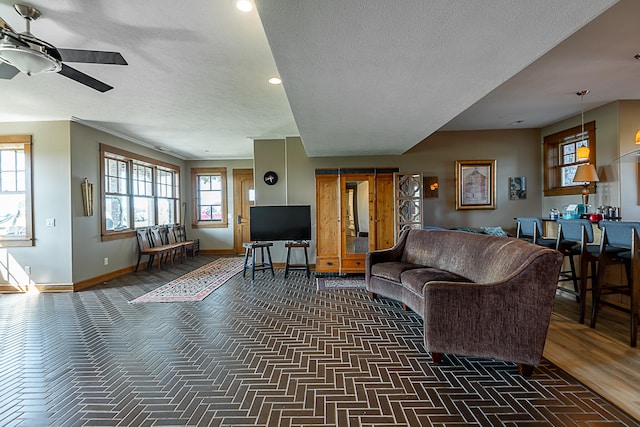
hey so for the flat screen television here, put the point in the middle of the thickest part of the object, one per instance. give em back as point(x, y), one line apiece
point(291, 222)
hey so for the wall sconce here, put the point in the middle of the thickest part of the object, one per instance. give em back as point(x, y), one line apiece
point(586, 174)
point(638, 137)
point(87, 197)
point(430, 186)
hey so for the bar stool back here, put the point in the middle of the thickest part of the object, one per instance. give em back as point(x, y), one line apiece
point(532, 230)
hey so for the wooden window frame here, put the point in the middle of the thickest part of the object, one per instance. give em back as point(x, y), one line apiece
point(552, 167)
point(108, 152)
point(195, 173)
point(21, 142)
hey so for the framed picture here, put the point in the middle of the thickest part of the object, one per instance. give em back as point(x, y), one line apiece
point(475, 184)
point(517, 188)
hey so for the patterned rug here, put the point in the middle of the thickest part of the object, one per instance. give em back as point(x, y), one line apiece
point(196, 285)
point(349, 282)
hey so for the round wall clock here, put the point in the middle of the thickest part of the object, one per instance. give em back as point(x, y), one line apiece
point(270, 178)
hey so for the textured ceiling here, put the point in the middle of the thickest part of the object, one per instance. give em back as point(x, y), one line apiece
point(377, 76)
point(361, 76)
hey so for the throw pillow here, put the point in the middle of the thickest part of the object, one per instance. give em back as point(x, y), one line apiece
point(494, 231)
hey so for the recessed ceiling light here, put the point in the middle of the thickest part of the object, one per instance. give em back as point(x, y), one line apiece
point(275, 80)
point(244, 5)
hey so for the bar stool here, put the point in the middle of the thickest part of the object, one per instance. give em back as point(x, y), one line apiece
point(531, 230)
point(304, 266)
point(250, 248)
point(574, 236)
point(620, 245)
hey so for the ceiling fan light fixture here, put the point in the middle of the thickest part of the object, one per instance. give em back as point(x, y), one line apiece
point(28, 61)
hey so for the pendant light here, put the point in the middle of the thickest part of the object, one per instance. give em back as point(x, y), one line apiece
point(583, 151)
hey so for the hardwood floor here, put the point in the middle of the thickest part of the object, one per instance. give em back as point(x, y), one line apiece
point(600, 358)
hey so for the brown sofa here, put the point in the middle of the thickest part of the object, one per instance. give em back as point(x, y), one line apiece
point(479, 295)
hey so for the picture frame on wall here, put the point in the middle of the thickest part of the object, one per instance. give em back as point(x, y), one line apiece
point(475, 184)
point(517, 188)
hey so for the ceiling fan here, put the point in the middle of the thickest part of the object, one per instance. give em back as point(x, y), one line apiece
point(23, 52)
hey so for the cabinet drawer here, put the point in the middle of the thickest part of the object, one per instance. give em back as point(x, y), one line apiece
point(352, 265)
point(328, 264)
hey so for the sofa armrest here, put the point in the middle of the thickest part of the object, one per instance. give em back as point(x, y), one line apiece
point(385, 255)
point(506, 320)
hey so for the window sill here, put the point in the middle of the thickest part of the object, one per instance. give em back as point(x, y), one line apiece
point(108, 236)
point(6, 243)
point(568, 191)
point(210, 225)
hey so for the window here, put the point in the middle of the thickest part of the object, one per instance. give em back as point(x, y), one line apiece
point(137, 192)
point(561, 160)
point(210, 197)
point(16, 225)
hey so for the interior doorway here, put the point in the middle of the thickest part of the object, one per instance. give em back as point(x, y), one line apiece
point(243, 198)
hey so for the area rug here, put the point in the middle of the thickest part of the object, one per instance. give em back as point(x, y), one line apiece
point(334, 283)
point(196, 285)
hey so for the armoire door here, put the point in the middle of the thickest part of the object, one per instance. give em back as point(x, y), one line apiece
point(384, 218)
point(357, 220)
point(327, 223)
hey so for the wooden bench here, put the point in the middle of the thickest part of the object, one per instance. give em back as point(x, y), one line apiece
point(152, 244)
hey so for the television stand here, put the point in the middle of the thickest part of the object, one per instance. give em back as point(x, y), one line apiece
point(305, 266)
point(250, 248)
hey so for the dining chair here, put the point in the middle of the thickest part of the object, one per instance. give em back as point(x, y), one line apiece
point(575, 238)
point(620, 245)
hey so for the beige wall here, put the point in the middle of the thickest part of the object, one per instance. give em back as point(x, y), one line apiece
point(629, 124)
point(217, 239)
point(517, 153)
point(50, 258)
point(64, 153)
point(608, 190)
point(89, 250)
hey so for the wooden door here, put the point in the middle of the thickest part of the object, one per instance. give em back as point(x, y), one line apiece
point(327, 223)
point(243, 198)
point(384, 212)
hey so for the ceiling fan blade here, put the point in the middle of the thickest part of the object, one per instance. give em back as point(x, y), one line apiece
point(7, 71)
point(81, 77)
point(5, 26)
point(92, 56)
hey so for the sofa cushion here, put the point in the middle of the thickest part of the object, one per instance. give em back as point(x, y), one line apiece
point(392, 270)
point(415, 279)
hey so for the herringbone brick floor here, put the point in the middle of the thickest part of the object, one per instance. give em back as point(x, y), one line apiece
point(273, 352)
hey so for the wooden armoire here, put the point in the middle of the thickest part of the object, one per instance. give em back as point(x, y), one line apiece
point(354, 215)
